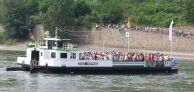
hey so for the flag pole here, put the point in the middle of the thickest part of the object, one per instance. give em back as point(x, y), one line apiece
point(127, 35)
point(170, 37)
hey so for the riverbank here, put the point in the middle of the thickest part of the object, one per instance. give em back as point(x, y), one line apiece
point(20, 47)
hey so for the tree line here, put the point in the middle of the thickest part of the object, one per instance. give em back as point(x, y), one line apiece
point(20, 16)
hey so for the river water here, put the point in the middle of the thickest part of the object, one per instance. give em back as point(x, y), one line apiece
point(20, 81)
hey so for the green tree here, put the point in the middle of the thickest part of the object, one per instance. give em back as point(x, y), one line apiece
point(15, 15)
point(158, 12)
point(108, 11)
point(20, 16)
point(189, 4)
point(59, 15)
point(35, 14)
point(82, 13)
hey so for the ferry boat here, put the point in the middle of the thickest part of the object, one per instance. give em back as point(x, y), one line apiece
point(59, 55)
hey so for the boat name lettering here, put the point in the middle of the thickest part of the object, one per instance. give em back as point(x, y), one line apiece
point(87, 63)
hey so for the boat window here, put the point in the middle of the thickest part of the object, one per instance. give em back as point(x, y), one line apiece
point(63, 55)
point(40, 53)
point(53, 55)
point(49, 45)
point(60, 44)
point(73, 56)
point(54, 43)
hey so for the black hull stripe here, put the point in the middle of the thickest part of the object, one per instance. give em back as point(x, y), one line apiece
point(104, 70)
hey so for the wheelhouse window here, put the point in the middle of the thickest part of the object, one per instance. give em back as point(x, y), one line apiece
point(73, 56)
point(63, 55)
point(53, 55)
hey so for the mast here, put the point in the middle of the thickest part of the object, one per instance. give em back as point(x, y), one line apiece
point(170, 37)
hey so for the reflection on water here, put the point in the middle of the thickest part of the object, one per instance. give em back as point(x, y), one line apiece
point(19, 81)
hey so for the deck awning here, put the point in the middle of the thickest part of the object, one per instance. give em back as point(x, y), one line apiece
point(56, 39)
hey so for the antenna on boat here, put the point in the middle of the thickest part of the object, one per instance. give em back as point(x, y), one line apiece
point(56, 32)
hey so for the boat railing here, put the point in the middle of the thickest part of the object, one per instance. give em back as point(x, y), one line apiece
point(67, 49)
point(150, 59)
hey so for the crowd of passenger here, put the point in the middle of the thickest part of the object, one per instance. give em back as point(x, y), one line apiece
point(151, 59)
point(119, 56)
point(179, 32)
point(95, 56)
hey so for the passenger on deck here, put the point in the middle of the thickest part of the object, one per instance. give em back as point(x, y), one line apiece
point(149, 59)
point(137, 57)
point(155, 58)
point(114, 57)
point(129, 56)
point(134, 57)
point(110, 56)
point(105, 56)
point(161, 60)
point(125, 57)
point(90, 56)
point(120, 56)
point(166, 58)
point(141, 57)
point(93, 56)
point(153, 63)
